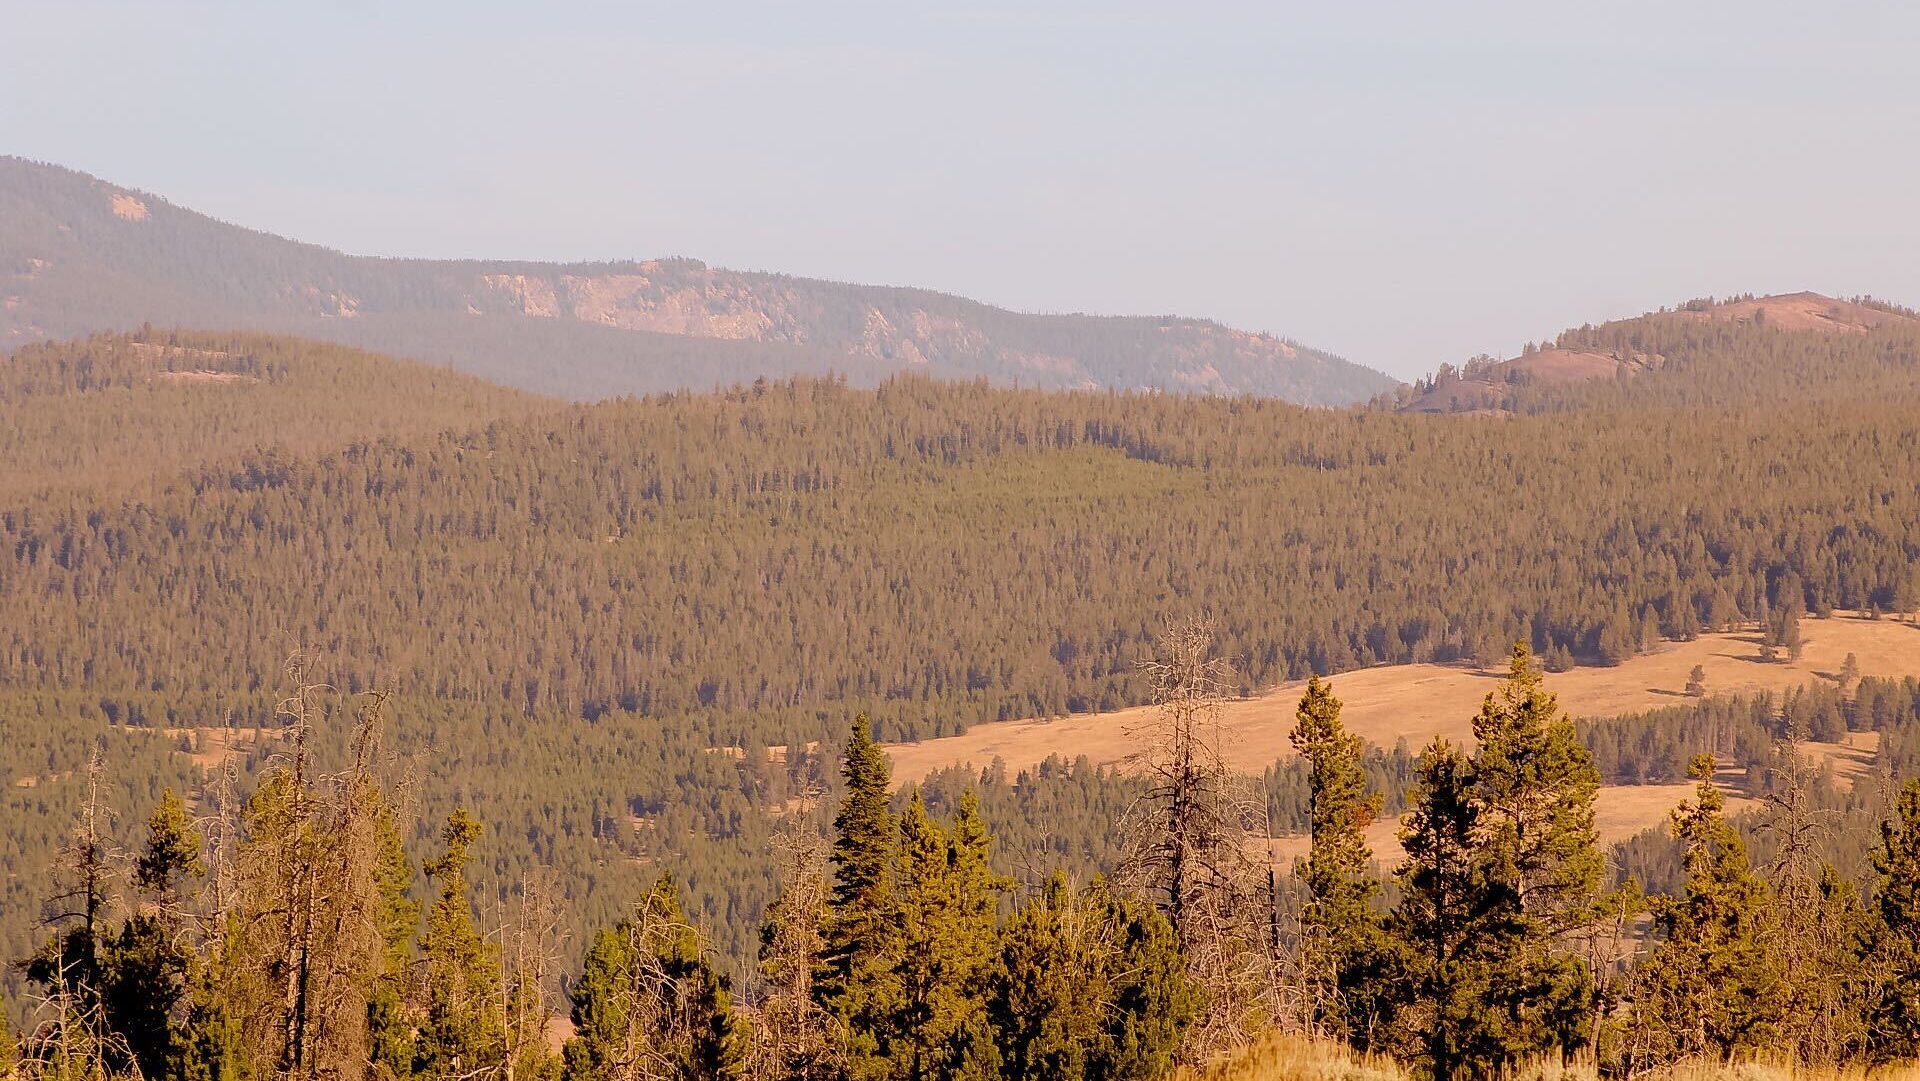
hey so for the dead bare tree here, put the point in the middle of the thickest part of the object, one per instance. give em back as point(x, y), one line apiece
point(88, 860)
point(220, 831)
point(76, 1043)
point(1191, 837)
point(1611, 941)
point(302, 887)
point(70, 967)
point(301, 866)
point(795, 1038)
point(1827, 1025)
point(531, 941)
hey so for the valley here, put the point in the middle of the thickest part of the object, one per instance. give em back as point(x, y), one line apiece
point(987, 542)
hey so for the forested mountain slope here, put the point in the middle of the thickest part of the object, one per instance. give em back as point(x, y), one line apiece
point(575, 604)
point(1704, 352)
point(112, 414)
point(79, 255)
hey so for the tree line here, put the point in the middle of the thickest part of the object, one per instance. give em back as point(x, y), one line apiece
point(286, 933)
point(1507, 942)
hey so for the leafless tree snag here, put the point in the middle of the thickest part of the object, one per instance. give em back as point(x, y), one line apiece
point(1191, 839)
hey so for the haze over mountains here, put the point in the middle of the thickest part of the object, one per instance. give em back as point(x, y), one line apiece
point(629, 633)
point(79, 255)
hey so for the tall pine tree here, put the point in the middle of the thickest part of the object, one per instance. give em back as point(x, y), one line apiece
point(1345, 960)
point(1712, 985)
point(460, 1028)
point(947, 898)
point(1535, 785)
point(857, 983)
point(1448, 923)
point(150, 963)
point(389, 1027)
point(1896, 1012)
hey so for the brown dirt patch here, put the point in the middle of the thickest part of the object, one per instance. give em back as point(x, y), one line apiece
point(214, 746)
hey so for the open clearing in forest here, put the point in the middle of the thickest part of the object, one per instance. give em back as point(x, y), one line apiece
point(1416, 702)
point(1620, 813)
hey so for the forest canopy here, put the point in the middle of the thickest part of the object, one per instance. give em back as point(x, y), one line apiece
point(632, 632)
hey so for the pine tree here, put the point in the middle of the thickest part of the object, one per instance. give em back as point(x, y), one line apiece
point(301, 947)
point(1448, 922)
point(1697, 682)
point(1712, 984)
point(1559, 659)
point(1616, 641)
point(212, 1039)
point(649, 1004)
point(1089, 987)
point(856, 983)
point(916, 1033)
point(1535, 784)
point(389, 1027)
point(460, 1030)
point(1896, 1013)
point(973, 891)
point(1152, 999)
point(149, 964)
point(705, 1040)
point(1343, 952)
point(1044, 1003)
point(1686, 620)
point(604, 1028)
point(947, 896)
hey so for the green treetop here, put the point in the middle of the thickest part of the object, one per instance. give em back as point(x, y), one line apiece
point(856, 983)
point(460, 1031)
point(1342, 929)
point(1711, 985)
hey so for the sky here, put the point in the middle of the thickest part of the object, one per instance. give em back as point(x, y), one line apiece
point(1399, 183)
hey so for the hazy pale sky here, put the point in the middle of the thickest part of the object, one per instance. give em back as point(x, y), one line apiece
point(1401, 183)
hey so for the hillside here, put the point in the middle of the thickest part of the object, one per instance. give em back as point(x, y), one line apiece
point(79, 255)
point(575, 604)
point(1566, 371)
point(121, 413)
point(1418, 702)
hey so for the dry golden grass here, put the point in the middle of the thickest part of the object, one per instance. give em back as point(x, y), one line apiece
point(1294, 1058)
point(1619, 813)
point(1419, 701)
point(1416, 702)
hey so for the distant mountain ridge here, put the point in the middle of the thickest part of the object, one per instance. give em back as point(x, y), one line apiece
point(79, 255)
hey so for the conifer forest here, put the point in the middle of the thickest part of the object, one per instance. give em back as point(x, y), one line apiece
point(492, 643)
